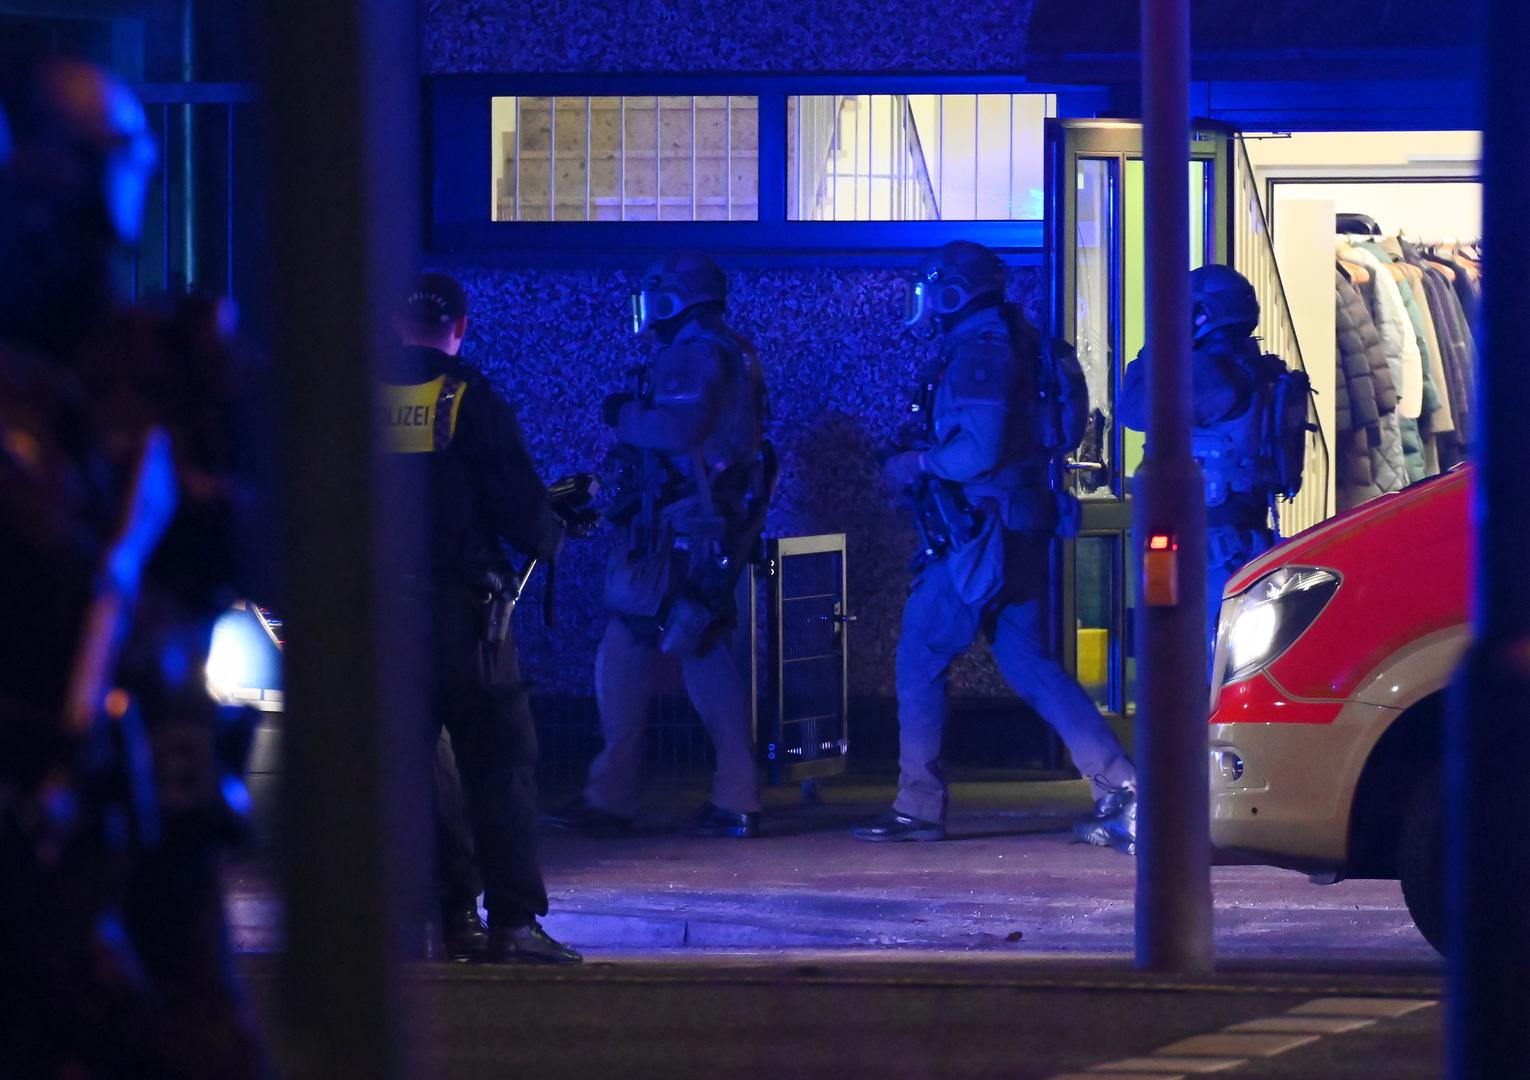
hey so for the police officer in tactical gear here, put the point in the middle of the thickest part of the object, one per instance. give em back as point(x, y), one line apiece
point(123, 480)
point(988, 511)
point(696, 483)
point(1230, 381)
point(442, 420)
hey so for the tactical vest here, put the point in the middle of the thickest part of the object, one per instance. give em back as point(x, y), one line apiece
point(1233, 455)
point(421, 418)
point(989, 361)
point(743, 411)
point(978, 366)
point(677, 378)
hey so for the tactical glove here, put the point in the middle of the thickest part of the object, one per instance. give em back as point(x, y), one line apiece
point(902, 470)
point(611, 408)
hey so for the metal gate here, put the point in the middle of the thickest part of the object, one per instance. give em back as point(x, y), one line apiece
point(806, 734)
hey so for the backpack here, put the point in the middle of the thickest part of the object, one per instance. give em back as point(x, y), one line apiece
point(1286, 425)
point(1064, 394)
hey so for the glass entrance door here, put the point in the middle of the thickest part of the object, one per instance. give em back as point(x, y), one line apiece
point(1096, 271)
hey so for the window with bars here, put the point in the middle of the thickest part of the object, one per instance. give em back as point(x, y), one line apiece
point(655, 158)
point(916, 157)
point(762, 166)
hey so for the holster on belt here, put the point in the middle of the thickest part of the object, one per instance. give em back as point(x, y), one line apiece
point(499, 598)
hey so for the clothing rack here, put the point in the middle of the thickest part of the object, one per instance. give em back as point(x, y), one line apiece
point(1407, 352)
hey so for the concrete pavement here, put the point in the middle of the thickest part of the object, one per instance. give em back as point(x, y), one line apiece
point(837, 1015)
point(1009, 883)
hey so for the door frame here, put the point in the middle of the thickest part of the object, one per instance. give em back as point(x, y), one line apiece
point(1068, 141)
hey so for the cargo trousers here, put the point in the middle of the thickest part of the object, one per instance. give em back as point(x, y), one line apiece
point(625, 669)
point(938, 626)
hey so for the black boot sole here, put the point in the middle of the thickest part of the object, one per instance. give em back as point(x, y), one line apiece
point(924, 836)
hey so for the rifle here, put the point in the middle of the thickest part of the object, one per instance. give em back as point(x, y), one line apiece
point(572, 502)
point(502, 601)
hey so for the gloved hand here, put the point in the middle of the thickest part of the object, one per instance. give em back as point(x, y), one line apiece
point(902, 470)
point(611, 408)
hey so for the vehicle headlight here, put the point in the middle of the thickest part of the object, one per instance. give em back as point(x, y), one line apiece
point(1260, 624)
point(243, 663)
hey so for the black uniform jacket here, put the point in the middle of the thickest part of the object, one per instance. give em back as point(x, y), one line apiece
point(482, 488)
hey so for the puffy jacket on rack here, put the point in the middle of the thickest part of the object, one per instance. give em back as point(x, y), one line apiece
point(1460, 358)
point(1365, 397)
point(1401, 349)
point(1392, 289)
point(1445, 309)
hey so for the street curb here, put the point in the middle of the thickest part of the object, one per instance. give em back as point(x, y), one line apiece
point(255, 925)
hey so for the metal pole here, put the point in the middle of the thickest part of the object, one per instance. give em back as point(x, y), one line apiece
point(1487, 837)
point(345, 229)
point(977, 156)
point(871, 156)
point(1009, 185)
point(834, 164)
point(164, 197)
point(802, 100)
point(228, 207)
point(188, 145)
point(1173, 844)
point(940, 153)
point(855, 167)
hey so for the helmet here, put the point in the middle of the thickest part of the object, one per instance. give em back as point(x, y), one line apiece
point(72, 195)
point(73, 124)
point(677, 282)
point(1222, 297)
point(958, 274)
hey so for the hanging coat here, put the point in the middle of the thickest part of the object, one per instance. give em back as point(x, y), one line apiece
point(1396, 333)
point(1364, 394)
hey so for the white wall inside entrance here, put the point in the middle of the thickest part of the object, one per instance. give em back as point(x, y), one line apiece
point(1364, 153)
point(1422, 210)
point(1304, 250)
point(1422, 183)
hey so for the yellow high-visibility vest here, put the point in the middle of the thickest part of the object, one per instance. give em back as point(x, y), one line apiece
point(421, 418)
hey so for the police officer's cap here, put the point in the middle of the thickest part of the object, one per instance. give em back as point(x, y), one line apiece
point(677, 282)
point(952, 278)
point(434, 300)
point(1222, 297)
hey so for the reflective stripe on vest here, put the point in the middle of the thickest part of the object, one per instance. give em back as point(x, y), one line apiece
point(422, 417)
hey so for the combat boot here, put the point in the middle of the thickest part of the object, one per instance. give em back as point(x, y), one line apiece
point(712, 820)
point(1114, 821)
point(581, 816)
point(528, 944)
point(892, 826)
point(463, 931)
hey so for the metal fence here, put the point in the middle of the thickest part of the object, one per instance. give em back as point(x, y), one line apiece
point(1254, 258)
point(200, 203)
